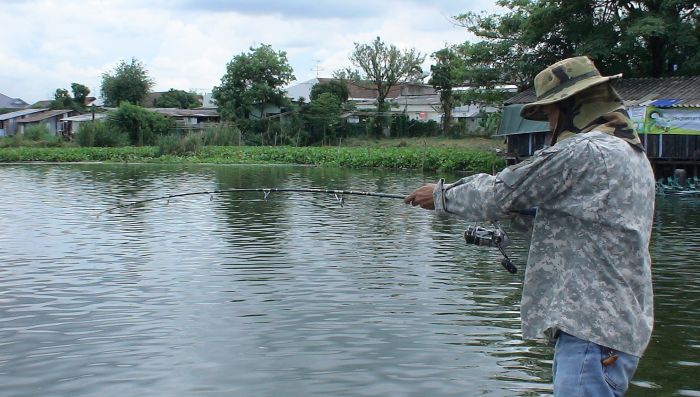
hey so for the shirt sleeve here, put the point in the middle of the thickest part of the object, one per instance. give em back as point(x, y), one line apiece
point(532, 183)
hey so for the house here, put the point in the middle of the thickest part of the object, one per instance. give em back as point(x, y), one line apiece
point(49, 118)
point(8, 121)
point(415, 100)
point(665, 111)
point(11, 103)
point(71, 125)
point(190, 118)
point(471, 115)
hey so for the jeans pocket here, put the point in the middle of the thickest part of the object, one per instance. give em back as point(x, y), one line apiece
point(618, 373)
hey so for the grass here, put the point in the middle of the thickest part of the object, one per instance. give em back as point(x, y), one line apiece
point(471, 155)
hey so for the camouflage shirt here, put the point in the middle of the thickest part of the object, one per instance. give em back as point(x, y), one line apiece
point(588, 271)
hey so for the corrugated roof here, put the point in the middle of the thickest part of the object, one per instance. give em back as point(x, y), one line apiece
point(43, 115)
point(85, 117)
point(19, 113)
point(678, 91)
point(513, 124)
point(174, 112)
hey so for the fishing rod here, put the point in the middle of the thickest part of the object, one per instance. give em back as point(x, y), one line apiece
point(266, 191)
point(479, 236)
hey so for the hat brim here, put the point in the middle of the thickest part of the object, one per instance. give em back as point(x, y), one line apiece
point(533, 110)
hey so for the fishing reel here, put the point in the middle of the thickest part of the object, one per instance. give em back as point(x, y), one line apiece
point(495, 237)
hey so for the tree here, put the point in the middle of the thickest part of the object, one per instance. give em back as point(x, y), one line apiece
point(80, 93)
point(141, 125)
point(177, 99)
point(385, 66)
point(252, 81)
point(446, 74)
point(339, 88)
point(640, 38)
point(62, 99)
point(127, 82)
point(323, 114)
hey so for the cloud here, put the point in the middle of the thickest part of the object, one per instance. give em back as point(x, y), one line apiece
point(186, 44)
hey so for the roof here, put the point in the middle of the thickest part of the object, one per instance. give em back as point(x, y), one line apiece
point(19, 113)
point(678, 91)
point(46, 114)
point(359, 91)
point(7, 102)
point(472, 110)
point(85, 117)
point(513, 124)
point(174, 112)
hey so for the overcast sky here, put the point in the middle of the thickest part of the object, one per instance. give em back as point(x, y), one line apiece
point(186, 44)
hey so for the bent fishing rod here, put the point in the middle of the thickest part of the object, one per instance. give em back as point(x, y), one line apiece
point(480, 236)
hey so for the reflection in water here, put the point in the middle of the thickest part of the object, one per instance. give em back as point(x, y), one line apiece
point(293, 296)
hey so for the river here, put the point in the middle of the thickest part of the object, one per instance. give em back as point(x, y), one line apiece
point(233, 295)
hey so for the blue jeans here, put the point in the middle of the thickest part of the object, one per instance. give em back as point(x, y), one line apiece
point(580, 369)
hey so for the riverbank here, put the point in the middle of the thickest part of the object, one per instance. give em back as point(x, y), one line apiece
point(442, 158)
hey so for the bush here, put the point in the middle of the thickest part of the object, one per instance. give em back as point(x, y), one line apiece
point(222, 135)
point(98, 134)
point(142, 126)
point(37, 133)
point(179, 146)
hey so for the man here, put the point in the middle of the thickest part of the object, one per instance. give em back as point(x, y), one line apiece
point(588, 276)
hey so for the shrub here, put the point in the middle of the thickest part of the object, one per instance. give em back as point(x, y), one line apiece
point(98, 134)
point(222, 135)
point(37, 133)
point(141, 125)
point(179, 146)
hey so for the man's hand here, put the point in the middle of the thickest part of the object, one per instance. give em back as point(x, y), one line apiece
point(422, 196)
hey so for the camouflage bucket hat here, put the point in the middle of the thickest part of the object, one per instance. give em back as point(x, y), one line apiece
point(560, 81)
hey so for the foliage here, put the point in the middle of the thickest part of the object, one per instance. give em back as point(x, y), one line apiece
point(141, 125)
point(188, 144)
point(385, 66)
point(427, 158)
point(99, 134)
point(641, 38)
point(128, 82)
point(37, 132)
point(224, 134)
point(339, 88)
point(489, 122)
point(62, 99)
point(253, 80)
point(323, 116)
point(177, 99)
point(446, 74)
point(80, 93)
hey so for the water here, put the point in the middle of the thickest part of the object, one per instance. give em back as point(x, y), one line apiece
point(294, 296)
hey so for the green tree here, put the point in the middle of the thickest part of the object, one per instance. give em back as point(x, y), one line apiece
point(385, 66)
point(339, 88)
point(127, 82)
point(80, 93)
point(141, 125)
point(177, 99)
point(323, 114)
point(252, 81)
point(446, 73)
point(640, 38)
point(62, 100)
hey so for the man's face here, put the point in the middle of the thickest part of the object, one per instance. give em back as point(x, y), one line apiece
point(552, 113)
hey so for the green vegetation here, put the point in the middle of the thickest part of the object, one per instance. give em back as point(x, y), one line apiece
point(425, 158)
point(127, 82)
point(177, 99)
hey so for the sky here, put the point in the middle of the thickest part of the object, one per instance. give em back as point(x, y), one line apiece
point(186, 44)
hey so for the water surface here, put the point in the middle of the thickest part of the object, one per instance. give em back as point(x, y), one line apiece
point(293, 296)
